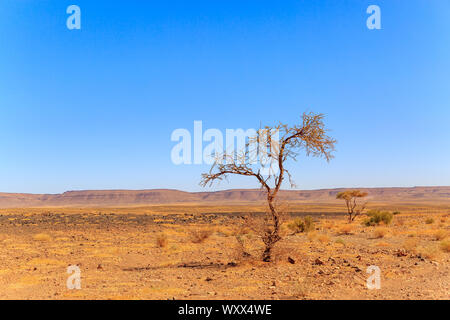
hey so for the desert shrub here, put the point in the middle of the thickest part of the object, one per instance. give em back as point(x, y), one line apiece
point(375, 217)
point(445, 245)
point(380, 232)
point(302, 225)
point(340, 241)
point(42, 237)
point(428, 252)
point(429, 221)
point(161, 240)
point(199, 235)
point(440, 235)
point(396, 213)
point(346, 229)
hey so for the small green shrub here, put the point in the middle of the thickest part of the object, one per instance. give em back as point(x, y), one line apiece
point(302, 225)
point(375, 217)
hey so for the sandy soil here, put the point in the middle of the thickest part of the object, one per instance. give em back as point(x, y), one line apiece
point(120, 257)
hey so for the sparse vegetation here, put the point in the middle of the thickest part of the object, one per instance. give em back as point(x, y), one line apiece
point(282, 142)
point(375, 217)
point(428, 252)
point(323, 238)
point(410, 244)
point(345, 229)
point(350, 197)
point(445, 245)
point(227, 263)
point(429, 221)
point(161, 241)
point(440, 235)
point(302, 225)
point(199, 235)
point(380, 232)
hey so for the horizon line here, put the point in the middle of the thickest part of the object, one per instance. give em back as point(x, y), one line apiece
point(222, 190)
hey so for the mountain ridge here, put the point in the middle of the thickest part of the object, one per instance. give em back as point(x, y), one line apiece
point(124, 197)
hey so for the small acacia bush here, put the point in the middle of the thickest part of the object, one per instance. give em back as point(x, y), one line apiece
point(302, 225)
point(375, 217)
point(429, 221)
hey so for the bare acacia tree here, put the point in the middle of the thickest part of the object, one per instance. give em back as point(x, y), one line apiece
point(280, 142)
point(350, 197)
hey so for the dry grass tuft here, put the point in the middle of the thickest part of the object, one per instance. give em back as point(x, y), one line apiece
point(199, 235)
point(380, 232)
point(445, 245)
point(161, 241)
point(312, 236)
point(410, 244)
point(440, 235)
point(428, 252)
point(323, 238)
point(346, 229)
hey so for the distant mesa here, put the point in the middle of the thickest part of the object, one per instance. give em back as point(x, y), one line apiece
point(165, 196)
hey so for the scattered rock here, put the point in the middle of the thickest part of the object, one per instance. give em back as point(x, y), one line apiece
point(318, 262)
point(357, 269)
point(401, 253)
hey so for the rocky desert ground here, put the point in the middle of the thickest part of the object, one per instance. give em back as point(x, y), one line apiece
point(206, 252)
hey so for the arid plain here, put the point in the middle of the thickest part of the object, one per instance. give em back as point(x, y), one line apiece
point(166, 244)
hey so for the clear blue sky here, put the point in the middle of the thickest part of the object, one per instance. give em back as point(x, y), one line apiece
point(94, 108)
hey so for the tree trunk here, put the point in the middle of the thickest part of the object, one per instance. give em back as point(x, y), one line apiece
point(272, 237)
point(266, 257)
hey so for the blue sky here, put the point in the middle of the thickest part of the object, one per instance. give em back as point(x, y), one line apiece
point(95, 108)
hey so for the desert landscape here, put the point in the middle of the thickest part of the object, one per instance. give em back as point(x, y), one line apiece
point(201, 153)
point(168, 244)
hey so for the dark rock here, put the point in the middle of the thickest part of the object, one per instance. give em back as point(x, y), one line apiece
point(318, 262)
